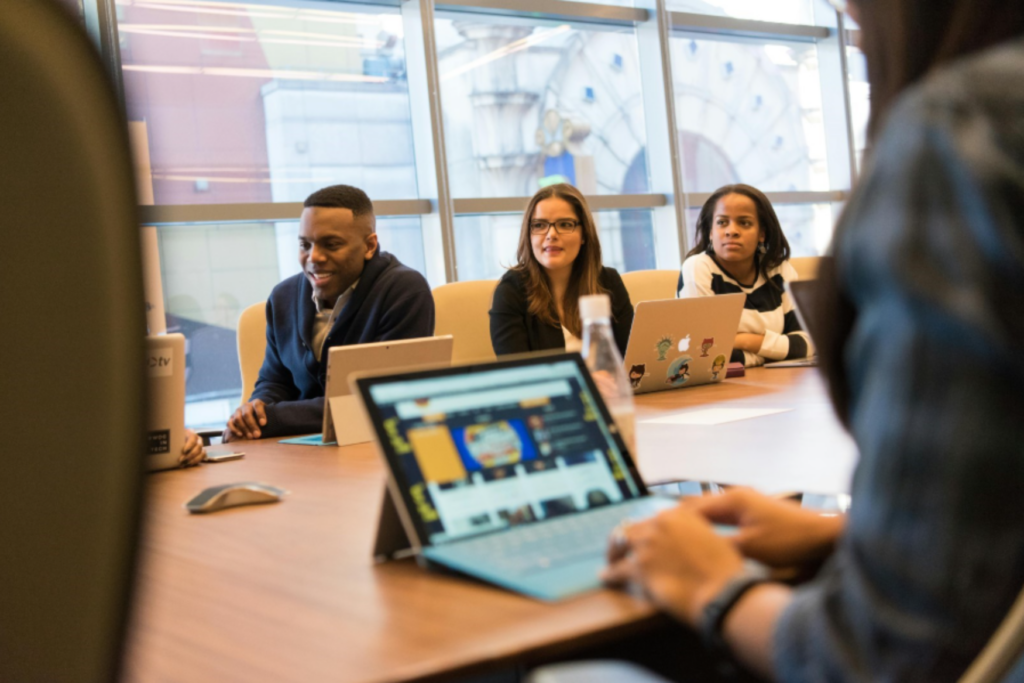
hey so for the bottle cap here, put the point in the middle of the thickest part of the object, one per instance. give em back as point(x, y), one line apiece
point(595, 306)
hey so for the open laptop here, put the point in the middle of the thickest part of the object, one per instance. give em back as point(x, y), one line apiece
point(803, 294)
point(165, 418)
point(342, 408)
point(682, 342)
point(512, 472)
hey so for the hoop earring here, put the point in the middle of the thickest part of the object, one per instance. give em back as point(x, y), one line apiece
point(762, 249)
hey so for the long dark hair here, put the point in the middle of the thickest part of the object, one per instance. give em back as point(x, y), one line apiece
point(776, 246)
point(586, 269)
point(903, 40)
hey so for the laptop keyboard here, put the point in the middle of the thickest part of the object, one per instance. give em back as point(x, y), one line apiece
point(548, 544)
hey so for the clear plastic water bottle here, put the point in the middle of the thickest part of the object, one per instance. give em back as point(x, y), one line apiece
point(602, 357)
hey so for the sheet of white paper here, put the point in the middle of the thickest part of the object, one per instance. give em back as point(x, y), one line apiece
point(713, 416)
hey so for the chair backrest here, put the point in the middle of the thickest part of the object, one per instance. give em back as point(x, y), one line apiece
point(1004, 649)
point(806, 266)
point(73, 402)
point(650, 285)
point(252, 345)
point(461, 310)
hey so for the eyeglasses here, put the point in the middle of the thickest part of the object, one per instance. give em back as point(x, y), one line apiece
point(562, 227)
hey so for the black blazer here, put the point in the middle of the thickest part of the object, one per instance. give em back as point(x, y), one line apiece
point(514, 330)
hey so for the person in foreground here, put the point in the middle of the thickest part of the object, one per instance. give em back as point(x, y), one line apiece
point(740, 248)
point(349, 292)
point(536, 303)
point(924, 362)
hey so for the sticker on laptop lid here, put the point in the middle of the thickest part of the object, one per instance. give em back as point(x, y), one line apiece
point(706, 346)
point(679, 371)
point(717, 366)
point(637, 374)
point(160, 363)
point(159, 441)
point(663, 346)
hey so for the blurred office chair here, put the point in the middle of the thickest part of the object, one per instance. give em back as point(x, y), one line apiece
point(252, 345)
point(73, 402)
point(1004, 652)
point(806, 266)
point(650, 285)
point(461, 310)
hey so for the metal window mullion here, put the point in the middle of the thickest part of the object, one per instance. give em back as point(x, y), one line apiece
point(498, 205)
point(558, 10)
point(697, 199)
point(844, 42)
point(663, 150)
point(428, 124)
point(719, 25)
point(165, 214)
point(101, 24)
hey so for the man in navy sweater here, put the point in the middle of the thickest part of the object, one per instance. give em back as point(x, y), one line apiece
point(349, 292)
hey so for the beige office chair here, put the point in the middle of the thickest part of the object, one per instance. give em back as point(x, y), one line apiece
point(1003, 651)
point(461, 310)
point(252, 345)
point(650, 285)
point(806, 266)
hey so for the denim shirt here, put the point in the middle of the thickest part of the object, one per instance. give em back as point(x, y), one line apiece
point(930, 252)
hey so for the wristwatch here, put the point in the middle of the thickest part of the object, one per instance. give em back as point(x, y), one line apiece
point(712, 618)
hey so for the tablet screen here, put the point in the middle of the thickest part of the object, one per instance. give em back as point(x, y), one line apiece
point(484, 448)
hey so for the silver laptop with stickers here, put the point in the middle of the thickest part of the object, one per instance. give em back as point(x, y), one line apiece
point(682, 342)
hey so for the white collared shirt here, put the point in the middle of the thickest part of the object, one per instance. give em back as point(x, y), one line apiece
point(325, 317)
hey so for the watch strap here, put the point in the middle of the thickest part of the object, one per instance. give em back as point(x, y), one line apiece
point(712, 618)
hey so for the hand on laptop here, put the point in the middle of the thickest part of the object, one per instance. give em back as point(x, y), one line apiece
point(778, 533)
point(192, 453)
point(246, 422)
point(677, 558)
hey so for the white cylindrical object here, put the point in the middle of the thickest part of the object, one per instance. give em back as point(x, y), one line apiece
point(152, 284)
point(594, 306)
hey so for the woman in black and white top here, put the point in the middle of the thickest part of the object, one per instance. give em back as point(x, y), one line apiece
point(740, 248)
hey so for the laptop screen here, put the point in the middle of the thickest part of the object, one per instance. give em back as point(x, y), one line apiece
point(488, 447)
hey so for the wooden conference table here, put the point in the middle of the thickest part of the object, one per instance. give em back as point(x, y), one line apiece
point(288, 592)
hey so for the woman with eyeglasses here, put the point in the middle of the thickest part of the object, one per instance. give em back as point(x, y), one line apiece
point(741, 249)
point(923, 350)
point(536, 303)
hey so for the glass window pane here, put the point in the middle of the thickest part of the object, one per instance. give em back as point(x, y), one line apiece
point(781, 11)
point(808, 227)
point(486, 245)
point(211, 272)
point(267, 102)
point(749, 112)
point(530, 103)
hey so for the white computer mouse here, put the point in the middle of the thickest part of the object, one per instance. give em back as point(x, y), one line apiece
point(224, 496)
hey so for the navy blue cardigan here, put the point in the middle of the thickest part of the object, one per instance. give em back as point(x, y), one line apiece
point(390, 302)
